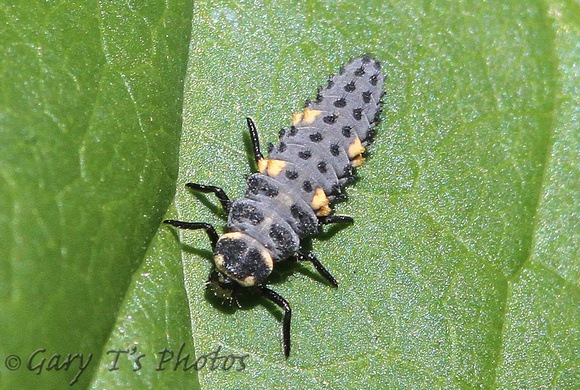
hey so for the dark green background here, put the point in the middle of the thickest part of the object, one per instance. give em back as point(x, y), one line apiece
point(461, 271)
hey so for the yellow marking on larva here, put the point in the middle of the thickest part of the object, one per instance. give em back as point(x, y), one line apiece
point(233, 235)
point(297, 118)
point(310, 115)
point(319, 200)
point(275, 167)
point(267, 258)
point(324, 211)
point(306, 117)
point(355, 148)
point(358, 161)
point(219, 261)
point(262, 165)
point(248, 281)
point(271, 167)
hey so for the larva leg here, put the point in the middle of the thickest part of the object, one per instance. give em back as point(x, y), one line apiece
point(255, 140)
point(221, 195)
point(209, 229)
point(284, 305)
point(318, 265)
point(328, 219)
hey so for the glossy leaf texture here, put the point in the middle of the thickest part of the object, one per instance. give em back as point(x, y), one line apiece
point(90, 118)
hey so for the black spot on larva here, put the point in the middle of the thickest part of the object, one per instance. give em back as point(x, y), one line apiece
point(282, 147)
point(291, 174)
point(330, 83)
point(321, 167)
point(319, 97)
point(307, 186)
point(270, 147)
point(281, 237)
point(244, 211)
point(357, 113)
point(377, 118)
point(305, 154)
point(340, 103)
point(346, 131)
point(293, 131)
point(305, 223)
point(258, 185)
point(281, 133)
point(348, 170)
point(270, 191)
point(360, 71)
point(367, 96)
point(307, 103)
point(374, 79)
point(242, 263)
point(377, 65)
point(350, 87)
point(366, 59)
point(316, 137)
point(335, 189)
point(348, 180)
point(330, 119)
point(335, 149)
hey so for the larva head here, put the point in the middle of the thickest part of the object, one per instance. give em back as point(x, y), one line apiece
point(222, 286)
point(241, 261)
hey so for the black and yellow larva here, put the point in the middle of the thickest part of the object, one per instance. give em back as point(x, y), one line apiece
point(289, 199)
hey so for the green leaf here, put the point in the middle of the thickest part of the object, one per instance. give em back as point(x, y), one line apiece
point(460, 271)
point(153, 330)
point(90, 119)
